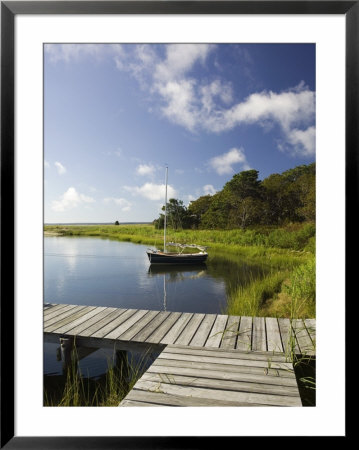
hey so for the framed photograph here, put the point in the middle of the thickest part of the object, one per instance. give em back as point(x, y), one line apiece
point(167, 169)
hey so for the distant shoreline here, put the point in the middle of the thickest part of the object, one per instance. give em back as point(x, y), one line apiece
point(96, 223)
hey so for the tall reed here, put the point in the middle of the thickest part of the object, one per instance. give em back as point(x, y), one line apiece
point(109, 390)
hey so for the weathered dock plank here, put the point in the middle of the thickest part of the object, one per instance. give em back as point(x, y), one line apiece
point(203, 330)
point(56, 316)
point(259, 340)
point(244, 340)
point(164, 328)
point(54, 324)
point(303, 338)
point(287, 337)
point(82, 318)
point(190, 329)
point(272, 377)
point(217, 332)
point(82, 327)
point(146, 398)
point(138, 326)
point(199, 365)
point(53, 310)
point(127, 323)
point(230, 334)
point(220, 383)
point(101, 323)
point(116, 322)
point(219, 353)
point(146, 331)
point(177, 329)
point(274, 342)
point(230, 396)
point(265, 364)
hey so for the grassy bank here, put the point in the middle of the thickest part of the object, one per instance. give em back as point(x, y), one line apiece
point(288, 292)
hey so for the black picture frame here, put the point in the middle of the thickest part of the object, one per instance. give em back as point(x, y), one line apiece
point(9, 9)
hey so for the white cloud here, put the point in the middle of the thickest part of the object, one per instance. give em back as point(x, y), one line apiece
point(75, 52)
point(60, 168)
point(152, 191)
point(180, 59)
point(179, 106)
point(46, 163)
point(286, 109)
point(70, 199)
point(145, 169)
point(222, 164)
point(217, 89)
point(139, 63)
point(208, 189)
point(124, 204)
point(303, 141)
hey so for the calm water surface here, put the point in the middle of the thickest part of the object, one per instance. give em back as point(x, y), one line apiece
point(104, 272)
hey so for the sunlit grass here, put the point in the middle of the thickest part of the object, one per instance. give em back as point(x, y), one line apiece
point(251, 299)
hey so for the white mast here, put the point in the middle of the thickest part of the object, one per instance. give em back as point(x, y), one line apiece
point(165, 223)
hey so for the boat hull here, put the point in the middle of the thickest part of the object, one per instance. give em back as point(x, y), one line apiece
point(175, 258)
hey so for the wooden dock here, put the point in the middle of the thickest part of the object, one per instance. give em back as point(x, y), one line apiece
point(204, 360)
point(100, 326)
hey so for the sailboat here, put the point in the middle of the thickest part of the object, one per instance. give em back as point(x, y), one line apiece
point(158, 257)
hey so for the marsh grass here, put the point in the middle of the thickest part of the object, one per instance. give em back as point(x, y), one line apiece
point(250, 300)
point(301, 288)
point(288, 292)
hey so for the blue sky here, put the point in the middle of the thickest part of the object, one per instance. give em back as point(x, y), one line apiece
point(116, 114)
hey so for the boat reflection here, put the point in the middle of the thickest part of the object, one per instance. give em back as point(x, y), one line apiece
point(178, 271)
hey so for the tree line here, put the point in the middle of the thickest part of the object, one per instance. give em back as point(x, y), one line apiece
point(246, 201)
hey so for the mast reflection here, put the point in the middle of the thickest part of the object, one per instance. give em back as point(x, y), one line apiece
point(172, 273)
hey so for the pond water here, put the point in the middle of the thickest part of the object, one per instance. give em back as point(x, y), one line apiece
point(105, 272)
